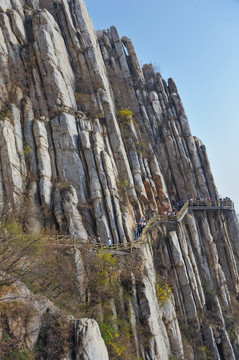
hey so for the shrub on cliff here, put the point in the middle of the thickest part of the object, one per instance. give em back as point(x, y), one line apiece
point(125, 115)
point(54, 337)
point(5, 112)
point(12, 346)
point(163, 292)
point(39, 262)
point(15, 248)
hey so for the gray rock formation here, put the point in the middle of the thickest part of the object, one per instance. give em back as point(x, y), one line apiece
point(18, 301)
point(90, 343)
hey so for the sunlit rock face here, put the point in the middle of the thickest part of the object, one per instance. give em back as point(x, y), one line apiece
point(91, 142)
point(62, 88)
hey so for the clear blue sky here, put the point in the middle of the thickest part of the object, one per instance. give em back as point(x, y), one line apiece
point(196, 42)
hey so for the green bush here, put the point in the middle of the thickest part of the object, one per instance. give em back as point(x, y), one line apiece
point(27, 150)
point(125, 114)
point(204, 353)
point(19, 355)
point(163, 293)
point(54, 338)
point(5, 113)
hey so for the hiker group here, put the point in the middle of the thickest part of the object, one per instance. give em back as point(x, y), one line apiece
point(97, 240)
point(139, 227)
point(176, 207)
point(197, 201)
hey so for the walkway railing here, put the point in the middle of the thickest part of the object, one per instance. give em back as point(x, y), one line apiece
point(68, 240)
point(190, 204)
point(196, 205)
point(171, 218)
point(211, 204)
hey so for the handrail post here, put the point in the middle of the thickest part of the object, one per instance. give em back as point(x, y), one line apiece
point(131, 245)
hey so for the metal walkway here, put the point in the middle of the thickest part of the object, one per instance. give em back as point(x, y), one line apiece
point(194, 206)
point(170, 221)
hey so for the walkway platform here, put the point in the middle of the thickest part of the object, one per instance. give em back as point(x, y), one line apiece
point(205, 207)
point(170, 221)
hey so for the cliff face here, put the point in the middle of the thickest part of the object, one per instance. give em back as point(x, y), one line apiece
point(62, 87)
point(89, 143)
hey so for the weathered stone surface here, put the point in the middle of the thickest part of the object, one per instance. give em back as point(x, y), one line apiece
point(68, 161)
point(161, 321)
point(74, 219)
point(54, 66)
point(18, 26)
point(90, 345)
point(44, 163)
point(11, 170)
point(5, 4)
point(134, 58)
point(23, 331)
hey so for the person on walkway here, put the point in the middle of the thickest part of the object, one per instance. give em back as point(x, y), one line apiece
point(139, 228)
point(98, 239)
point(136, 232)
point(89, 240)
point(143, 223)
point(109, 242)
